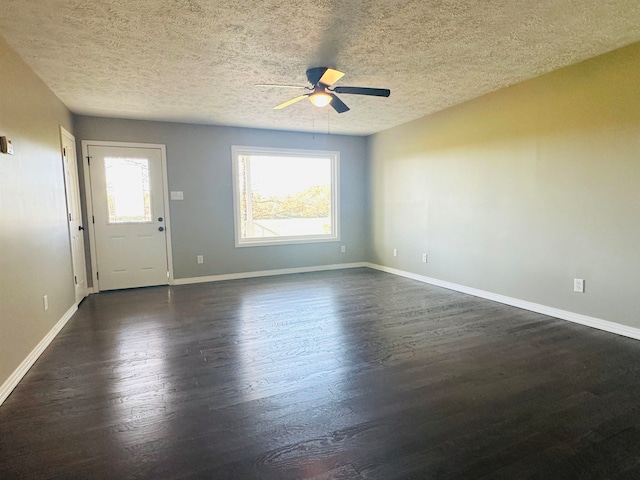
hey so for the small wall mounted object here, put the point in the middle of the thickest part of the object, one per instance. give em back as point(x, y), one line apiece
point(6, 146)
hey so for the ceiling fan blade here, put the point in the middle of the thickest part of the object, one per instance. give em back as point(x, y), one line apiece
point(374, 92)
point(330, 76)
point(276, 85)
point(337, 104)
point(290, 102)
point(315, 74)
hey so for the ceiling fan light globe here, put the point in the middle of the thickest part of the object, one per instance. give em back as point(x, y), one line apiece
point(320, 99)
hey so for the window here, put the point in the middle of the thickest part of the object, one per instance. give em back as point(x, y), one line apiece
point(128, 194)
point(285, 196)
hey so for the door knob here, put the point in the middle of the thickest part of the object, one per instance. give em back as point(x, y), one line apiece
point(161, 229)
point(159, 219)
point(80, 227)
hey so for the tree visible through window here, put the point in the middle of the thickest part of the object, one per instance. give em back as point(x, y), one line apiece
point(285, 196)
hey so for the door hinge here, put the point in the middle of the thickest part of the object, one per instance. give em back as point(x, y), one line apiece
point(69, 217)
point(64, 152)
point(93, 219)
point(75, 279)
point(98, 275)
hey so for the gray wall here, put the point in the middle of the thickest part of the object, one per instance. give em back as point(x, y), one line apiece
point(199, 164)
point(35, 257)
point(522, 190)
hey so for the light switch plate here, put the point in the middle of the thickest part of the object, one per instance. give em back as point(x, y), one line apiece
point(177, 195)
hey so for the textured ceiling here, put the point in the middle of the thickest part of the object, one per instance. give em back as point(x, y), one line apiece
point(197, 61)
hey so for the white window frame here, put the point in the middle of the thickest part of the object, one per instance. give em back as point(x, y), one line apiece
point(237, 151)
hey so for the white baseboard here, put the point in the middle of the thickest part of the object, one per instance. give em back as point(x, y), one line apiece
point(593, 322)
point(266, 273)
point(13, 380)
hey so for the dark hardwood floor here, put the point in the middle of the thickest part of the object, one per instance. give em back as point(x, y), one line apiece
point(352, 374)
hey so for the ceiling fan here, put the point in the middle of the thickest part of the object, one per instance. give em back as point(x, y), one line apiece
point(323, 93)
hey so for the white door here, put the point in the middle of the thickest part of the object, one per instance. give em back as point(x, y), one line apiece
point(74, 214)
point(128, 200)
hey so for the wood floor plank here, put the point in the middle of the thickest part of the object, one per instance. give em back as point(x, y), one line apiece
point(352, 374)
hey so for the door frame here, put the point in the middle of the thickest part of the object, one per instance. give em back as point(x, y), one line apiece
point(89, 201)
point(65, 134)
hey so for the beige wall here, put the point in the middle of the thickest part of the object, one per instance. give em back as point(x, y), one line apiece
point(522, 190)
point(35, 258)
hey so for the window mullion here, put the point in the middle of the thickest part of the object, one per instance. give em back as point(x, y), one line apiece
point(249, 197)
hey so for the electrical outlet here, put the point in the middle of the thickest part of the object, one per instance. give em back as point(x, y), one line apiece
point(200, 259)
point(395, 252)
point(578, 285)
point(45, 301)
point(424, 258)
point(343, 249)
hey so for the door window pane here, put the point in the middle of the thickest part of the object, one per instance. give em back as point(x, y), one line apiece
point(128, 195)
